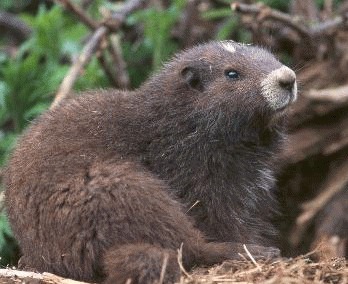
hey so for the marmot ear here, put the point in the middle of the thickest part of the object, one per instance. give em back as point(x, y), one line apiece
point(192, 77)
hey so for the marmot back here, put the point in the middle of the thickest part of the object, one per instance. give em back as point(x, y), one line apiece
point(107, 186)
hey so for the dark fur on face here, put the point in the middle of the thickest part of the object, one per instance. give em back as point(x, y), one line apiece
point(109, 185)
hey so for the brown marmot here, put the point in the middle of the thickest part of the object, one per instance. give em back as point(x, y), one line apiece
point(108, 185)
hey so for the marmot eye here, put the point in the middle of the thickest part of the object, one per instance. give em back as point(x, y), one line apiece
point(232, 74)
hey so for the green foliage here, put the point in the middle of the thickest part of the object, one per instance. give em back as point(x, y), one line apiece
point(217, 13)
point(5, 5)
point(9, 248)
point(29, 80)
point(157, 44)
point(10, 4)
point(93, 77)
point(25, 81)
point(6, 143)
point(229, 25)
point(277, 4)
point(157, 30)
point(138, 58)
point(230, 21)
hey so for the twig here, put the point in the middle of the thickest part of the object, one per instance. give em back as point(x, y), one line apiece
point(187, 22)
point(251, 257)
point(113, 23)
point(182, 268)
point(328, 4)
point(102, 58)
point(337, 95)
point(193, 205)
point(164, 268)
point(42, 278)
point(120, 65)
point(79, 13)
point(86, 3)
point(118, 17)
point(332, 24)
point(75, 70)
point(2, 199)
point(262, 12)
point(334, 184)
point(17, 27)
point(317, 139)
point(306, 9)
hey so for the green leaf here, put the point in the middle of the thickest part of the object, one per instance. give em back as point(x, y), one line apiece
point(217, 14)
point(7, 141)
point(227, 29)
point(8, 246)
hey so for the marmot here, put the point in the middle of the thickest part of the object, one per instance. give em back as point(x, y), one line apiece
point(108, 185)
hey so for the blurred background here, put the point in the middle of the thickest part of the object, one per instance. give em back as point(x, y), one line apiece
point(41, 42)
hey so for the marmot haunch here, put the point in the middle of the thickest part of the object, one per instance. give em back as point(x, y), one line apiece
point(108, 185)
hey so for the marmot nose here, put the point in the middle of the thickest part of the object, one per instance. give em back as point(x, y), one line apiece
point(286, 79)
point(279, 87)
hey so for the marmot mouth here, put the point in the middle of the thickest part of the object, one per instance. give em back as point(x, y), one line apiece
point(279, 88)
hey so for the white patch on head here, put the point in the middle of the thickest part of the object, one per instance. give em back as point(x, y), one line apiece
point(277, 96)
point(229, 46)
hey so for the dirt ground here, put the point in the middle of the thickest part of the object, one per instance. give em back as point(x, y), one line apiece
point(310, 268)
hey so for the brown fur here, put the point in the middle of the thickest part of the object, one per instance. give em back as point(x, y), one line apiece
point(101, 186)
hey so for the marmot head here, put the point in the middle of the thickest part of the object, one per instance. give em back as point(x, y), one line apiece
point(230, 76)
point(225, 91)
